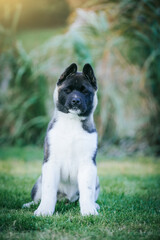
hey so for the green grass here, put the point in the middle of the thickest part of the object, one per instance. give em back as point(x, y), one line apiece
point(34, 37)
point(129, 201)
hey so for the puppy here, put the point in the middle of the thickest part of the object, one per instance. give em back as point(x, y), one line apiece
point(69, 167)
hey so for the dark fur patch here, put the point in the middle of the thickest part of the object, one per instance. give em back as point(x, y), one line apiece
point(88, 126)
point(68, 71)
point(46, 143)
point(89, 73)
point(51, 124)
point(94, 157)
point(46, 150)
point(35, 187)
point(34, 190)
point(62, 108)
point(97, 186)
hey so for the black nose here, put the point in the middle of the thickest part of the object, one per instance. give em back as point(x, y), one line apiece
point(76, 101)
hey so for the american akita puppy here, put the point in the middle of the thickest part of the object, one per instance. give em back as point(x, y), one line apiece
point(69, 168)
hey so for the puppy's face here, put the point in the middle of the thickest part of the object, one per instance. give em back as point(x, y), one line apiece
point(76, 91)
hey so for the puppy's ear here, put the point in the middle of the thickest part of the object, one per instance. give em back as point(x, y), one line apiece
point(70, 70)
point(89, 73)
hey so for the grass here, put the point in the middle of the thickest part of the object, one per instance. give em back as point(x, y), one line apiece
point(32, 38)
point(129, 200)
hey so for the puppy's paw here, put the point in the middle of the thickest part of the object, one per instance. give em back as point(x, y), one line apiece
point(97, 206)
point(27, 205)
point(43, 211)
point(88, 209)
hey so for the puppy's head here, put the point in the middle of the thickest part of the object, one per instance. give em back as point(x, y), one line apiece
point(76, 91)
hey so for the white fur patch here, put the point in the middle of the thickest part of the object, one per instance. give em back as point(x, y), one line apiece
point(76, 112)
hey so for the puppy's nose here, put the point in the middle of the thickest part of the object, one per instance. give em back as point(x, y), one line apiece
point(76, 101)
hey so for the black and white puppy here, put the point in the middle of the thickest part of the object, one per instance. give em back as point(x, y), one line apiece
point(69, 168)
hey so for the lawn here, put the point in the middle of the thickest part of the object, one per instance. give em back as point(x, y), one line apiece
point(129, 200)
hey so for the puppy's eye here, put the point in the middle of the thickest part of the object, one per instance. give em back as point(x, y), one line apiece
point(67, 90)
point(85, 91)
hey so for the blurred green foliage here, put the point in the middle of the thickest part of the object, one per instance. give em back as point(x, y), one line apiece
point(32, 38)
point(122, 42)
point(22, 95)
point(139, 23)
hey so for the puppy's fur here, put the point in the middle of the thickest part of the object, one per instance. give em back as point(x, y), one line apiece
point(69, 168)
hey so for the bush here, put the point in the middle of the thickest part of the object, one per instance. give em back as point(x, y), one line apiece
point(139, 22)
point(23, 114)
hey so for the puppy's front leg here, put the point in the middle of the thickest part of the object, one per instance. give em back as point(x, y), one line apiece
point(87, 183)
point(50, 181)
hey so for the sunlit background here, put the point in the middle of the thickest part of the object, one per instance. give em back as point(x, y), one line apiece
point(121, 39)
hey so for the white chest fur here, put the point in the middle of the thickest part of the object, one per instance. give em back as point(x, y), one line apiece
point(70, 146)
